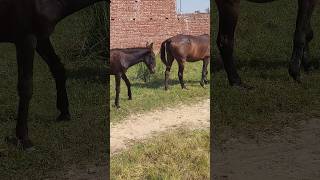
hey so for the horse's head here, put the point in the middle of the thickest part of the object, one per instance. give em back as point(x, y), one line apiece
point(150, 59)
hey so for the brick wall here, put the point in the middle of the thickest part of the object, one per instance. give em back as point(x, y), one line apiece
point(135, 22)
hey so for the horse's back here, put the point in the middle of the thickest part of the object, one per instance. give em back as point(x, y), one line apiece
point(190, 47)
point(21, 17)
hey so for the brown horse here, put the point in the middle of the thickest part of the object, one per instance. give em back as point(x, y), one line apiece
point(122, 59)
point(186, 48)
point(228, 17)
point(29, 24)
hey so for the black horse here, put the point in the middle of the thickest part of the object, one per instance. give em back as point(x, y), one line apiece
point(28, 24)
point(228, 17)
point(122, 59)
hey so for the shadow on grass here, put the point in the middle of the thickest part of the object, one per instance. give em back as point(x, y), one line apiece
point(98, 75)
point(158, 83)
point(263, 64)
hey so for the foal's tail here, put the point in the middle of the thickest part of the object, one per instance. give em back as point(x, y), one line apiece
point(163, 51)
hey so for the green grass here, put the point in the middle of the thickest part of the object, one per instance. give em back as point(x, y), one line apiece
point(263, 47)
point(58, 145)
point(173, 155)
point(151, 94)
point(176, 155)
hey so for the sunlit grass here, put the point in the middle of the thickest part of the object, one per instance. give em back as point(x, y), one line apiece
point(151, 94)
point(175, 155)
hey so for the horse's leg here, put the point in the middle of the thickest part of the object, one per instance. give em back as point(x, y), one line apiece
point(300, 38)
point(126, 80)
point(118, 81)
point(180, 73)
point(306, 54)
point(46, 51)
point(170, 60)
point(25, 55)
point(204, 79)
point(228, 17)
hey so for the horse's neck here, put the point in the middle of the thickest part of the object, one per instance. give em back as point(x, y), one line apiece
point(136, 57)
point(71, 6)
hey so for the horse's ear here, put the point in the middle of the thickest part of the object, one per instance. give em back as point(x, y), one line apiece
point(147, 45)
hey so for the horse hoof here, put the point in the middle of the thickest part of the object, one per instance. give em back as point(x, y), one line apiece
point(63, 117)
point(202, 84)
point(116, 106)
point(130, 98)
point(295, 75)
point(25, 145)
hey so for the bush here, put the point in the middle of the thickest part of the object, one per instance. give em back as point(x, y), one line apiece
point(143, 72)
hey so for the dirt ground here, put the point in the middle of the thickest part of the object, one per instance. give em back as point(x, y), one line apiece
point(294, 155)
point(143, 126)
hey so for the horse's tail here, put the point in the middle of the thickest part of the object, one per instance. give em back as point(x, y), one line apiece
point(163, 52)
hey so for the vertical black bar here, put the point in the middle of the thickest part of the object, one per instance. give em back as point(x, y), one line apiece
point(108, 90)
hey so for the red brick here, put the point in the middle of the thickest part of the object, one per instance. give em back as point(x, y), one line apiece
point(126, 32)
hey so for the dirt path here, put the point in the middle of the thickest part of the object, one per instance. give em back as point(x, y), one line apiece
point(142, 126)
point(295, 155)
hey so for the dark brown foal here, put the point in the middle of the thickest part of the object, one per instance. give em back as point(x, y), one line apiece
point(228, 17)
point(186, 48)
point(122, 59)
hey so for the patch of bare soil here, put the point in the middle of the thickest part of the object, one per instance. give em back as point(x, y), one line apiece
point(142, 126)
point(294, 155)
